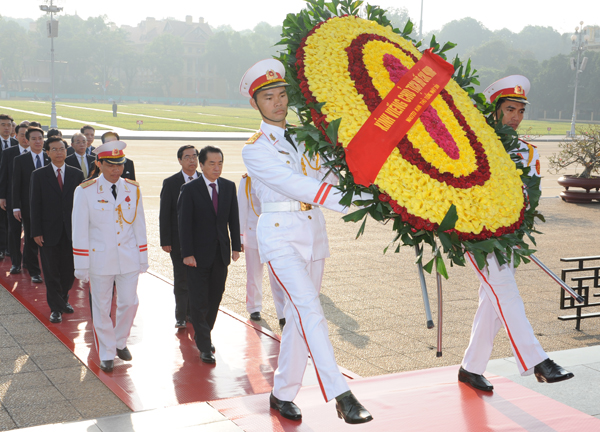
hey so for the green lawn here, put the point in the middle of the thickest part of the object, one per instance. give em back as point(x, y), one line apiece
point(170, 117)
point(182, 118)
point(540, 127)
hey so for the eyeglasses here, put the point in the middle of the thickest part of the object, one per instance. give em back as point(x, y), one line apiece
point(190, 157)
point(58, 149)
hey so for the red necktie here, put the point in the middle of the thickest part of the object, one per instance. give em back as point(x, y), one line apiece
point(215, 197)
point(60, 183)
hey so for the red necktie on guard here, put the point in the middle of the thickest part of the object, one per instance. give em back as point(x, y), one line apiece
point(215, 197)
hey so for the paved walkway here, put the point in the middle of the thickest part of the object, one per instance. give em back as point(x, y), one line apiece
point(372, 302)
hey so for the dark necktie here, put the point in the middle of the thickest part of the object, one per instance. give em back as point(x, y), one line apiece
point(114, 191)
point(38, 163)
point(59, 177)
point(5, 144)
point(289, 139)
point(190, 178)
point(24, 151)
point(215, 196)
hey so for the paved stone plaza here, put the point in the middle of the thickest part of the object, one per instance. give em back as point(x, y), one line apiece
point(372, 301)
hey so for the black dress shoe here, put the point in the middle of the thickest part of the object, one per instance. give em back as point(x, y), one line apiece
point(180, 324)
point(550, 372)
point(107, 365)
point(55, 317)
point(68, 308)
point(15, 269)
point(212, 348)
point(208, 357)
point(124, 354)
point(282, 322)
point(36, 279)
point(352, 411)
point(255, 316)
point(478, 382)
point(289, 410)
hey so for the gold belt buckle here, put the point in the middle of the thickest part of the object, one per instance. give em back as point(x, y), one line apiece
point(305, 207)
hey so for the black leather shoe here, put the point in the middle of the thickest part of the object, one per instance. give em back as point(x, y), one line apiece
point(351, 410)
point(212, 348)
point(180, 324)
point(15, 269)
point(208, 357)
point(36, 279)
point(107, 365)
point(282, 322)
point(68, 308)
point(55, 317)
point(255, 316)
point(124, 354)
point(478, 382)
point(550, 372)
point(289, 410)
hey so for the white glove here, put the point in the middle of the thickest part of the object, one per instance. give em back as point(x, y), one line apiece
point(144, 267)
point(83, 275)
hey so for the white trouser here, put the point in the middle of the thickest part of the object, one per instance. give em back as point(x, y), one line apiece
point(109, 338)
point(305, 332)
point(500, 304)
point(254, 278)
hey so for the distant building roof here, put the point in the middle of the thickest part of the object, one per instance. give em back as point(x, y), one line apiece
point(188, 30)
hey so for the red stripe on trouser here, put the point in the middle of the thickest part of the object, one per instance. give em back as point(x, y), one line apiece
point(501, 313)
point(303, 333)
point(316, 200)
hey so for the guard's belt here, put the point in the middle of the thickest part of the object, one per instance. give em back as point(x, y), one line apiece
point(285, 206)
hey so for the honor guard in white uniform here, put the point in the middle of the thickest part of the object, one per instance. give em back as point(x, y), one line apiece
point(500, 304)
point(249, 209)
point(110, 249)
point(292, 240)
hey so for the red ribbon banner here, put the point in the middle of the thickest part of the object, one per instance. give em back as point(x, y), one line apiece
point(395, 115)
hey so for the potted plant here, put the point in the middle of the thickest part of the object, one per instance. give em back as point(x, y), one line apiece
point(583, 150)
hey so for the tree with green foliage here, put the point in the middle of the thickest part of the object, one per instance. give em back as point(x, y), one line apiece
point(165, 57)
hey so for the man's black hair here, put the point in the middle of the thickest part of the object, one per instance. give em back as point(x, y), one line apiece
point(209, 149)
point(33, 129)
point(184, 148)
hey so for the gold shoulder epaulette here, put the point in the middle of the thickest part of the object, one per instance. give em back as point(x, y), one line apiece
point(254, 137)
point(133, 182)
point(88, 182)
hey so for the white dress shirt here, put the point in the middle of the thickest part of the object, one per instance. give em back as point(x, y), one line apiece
point(208, 182)
point(62, 172)
point(186, 178)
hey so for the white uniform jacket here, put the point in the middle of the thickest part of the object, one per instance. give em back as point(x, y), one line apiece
point(249, 209)
point(109, 236)
point(531, 157)
point(272, 162)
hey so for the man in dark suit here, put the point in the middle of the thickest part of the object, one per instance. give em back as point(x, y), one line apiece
point(128, 168)
point(24, 165)
point(6, 199)
point(187, 156)
point(90, 135)
point(207, 220)
point(79, 159)
point(51, 205)
point(6, 141)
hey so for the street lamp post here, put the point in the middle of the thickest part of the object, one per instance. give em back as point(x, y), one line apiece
point(579, 43)
point(52, 33)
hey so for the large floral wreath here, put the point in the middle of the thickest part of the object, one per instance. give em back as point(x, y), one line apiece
point(450, 177)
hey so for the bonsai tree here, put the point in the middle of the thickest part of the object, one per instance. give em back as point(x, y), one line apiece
point(582, 150)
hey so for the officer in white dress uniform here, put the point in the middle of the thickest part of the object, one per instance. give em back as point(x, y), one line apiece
point(249, 209)
point(110, 249)
point(500, 304)
point(292, 239)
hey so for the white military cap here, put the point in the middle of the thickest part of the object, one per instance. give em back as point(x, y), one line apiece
point(111, 152)
point(268, 73)
point(513, 87)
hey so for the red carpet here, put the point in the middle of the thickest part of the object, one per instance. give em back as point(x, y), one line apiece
point(167, 371)
point(429, 400)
